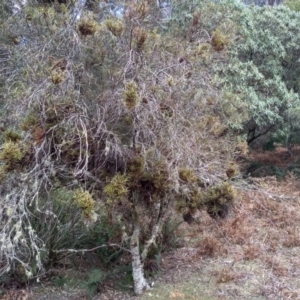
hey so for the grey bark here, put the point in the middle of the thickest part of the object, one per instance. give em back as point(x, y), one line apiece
point(140, 282)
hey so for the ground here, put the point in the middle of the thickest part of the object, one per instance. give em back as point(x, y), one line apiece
point(252, 254)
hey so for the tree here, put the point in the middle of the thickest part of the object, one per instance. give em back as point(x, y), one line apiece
point(130, 128)
point(261, 74)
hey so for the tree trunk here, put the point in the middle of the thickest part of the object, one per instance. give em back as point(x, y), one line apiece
point(139, 280)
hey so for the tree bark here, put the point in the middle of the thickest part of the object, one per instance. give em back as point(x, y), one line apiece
point(139, 280)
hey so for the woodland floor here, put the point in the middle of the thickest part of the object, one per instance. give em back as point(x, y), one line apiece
point(253, 254)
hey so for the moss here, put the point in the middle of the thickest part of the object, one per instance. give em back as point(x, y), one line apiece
point(86, 202)
point(70, 151)
point(136, 169)
point(187, 175)
point(214, 124)
point(224, 190)
point(219, 41)
point(87, 27)
point(131, 97)
point(140, 38)
point(117, 188)
point(160, 176)
point(116, 27)
point(197, 198)
point(30, 121)
point(232, 170)
point(142, 9)
point(95, 56)
point(11, 153)
point(10, 135)
point(128, 120)
point(203, 51)
point(219, 198)
point(57, 76)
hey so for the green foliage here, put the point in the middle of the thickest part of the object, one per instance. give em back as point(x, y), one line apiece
point(116, 27)
point(269, 146)
point(261, 71)
point(216, 200)
point(218, 40)
point(59, 281)
point(57, 76)
point(187, 175)
point(11, 153)
point(131, 95)
point(293, 4)
point(10, 135)
point(96, 277)
point(60, 228)
point(117, 188)
point(87, 26)
point(86, 202)
point(170, 236)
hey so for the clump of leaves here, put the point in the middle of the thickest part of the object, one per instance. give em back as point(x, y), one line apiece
point(30, 121)
point(293, 5)
point(117, 189)
point(203, 51)
point(141, 37)
point(57, 76)
point(218, 40)
point(131, 97)
point(86, 202)
point(10, 135)
point(232, 170)
point(219, 198)
point(11, 153)
point(87, 27)
point(96, 277)
point(187, 175)
point(116, 27)
point(160, 176)
point(215, 124)
point(136, 169)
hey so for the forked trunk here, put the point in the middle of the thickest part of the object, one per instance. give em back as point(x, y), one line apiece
point(139, 280)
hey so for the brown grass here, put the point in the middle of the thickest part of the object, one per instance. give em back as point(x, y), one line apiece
point(280, 157)
point(209, 246)
point(225, 275)
point(254, 252)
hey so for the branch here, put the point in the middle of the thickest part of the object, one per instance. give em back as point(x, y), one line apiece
point(254, 137)
point(78, 9)
point(89, 250)
point(155, 230)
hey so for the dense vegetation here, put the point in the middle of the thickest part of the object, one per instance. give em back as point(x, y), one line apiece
point(110, 125)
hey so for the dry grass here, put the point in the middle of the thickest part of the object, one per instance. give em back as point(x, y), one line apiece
point(253, 254)
point(279, 157)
